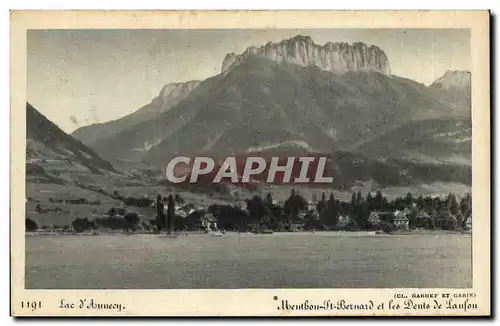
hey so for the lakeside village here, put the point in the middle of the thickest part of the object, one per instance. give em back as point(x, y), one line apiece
point(265, 215)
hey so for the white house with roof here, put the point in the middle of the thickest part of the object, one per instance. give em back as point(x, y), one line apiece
point(208, 221)
point(343, 221)
point(401, 220)
point(374, 218)
point(181, 210)
point(184, 211)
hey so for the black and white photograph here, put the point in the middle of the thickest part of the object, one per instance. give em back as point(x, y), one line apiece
point(245, 158)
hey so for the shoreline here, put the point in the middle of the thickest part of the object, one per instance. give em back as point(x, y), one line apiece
point(187, 233)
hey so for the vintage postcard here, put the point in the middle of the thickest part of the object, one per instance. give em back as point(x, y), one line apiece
point(267, 163)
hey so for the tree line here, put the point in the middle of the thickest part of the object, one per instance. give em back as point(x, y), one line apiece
point(328, 213)
point(333, 214)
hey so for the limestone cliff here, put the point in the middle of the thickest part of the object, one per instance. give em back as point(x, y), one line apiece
point(177, 91)
point(301, 50)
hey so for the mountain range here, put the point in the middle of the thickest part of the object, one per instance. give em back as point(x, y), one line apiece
point(300, 96)
point(169, 96)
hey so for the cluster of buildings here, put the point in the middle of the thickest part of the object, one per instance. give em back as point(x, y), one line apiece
point(399, 218)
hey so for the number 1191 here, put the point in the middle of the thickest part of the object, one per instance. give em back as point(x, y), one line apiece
point(33, 305)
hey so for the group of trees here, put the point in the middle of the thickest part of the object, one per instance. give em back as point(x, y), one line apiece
point(447, 213)
point(165, 220)
point(127, 221)
point(262, 213)
point(117, 219)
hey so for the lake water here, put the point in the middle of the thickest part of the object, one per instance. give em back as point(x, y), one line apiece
point(282, 260)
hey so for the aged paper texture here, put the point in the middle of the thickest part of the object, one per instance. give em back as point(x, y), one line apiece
point(267, 163)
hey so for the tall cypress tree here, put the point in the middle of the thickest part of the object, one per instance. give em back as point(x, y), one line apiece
point(353, 201)
point(369, 200)
point(269, 199)
point(379, 201)
point(359, 198)
point(170, 213)
point(159, 213)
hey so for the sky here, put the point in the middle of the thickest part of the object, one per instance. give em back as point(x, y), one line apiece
point(80, 77)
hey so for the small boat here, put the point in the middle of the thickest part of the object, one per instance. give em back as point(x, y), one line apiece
point(381, 233)
point(168, 235)
point(217, 234)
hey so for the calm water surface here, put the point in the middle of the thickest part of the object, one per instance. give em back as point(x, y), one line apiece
point(301, 260)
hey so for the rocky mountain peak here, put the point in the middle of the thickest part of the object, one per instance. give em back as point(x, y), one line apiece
point(338, 57)
point(176, 89)
point(459, 79)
